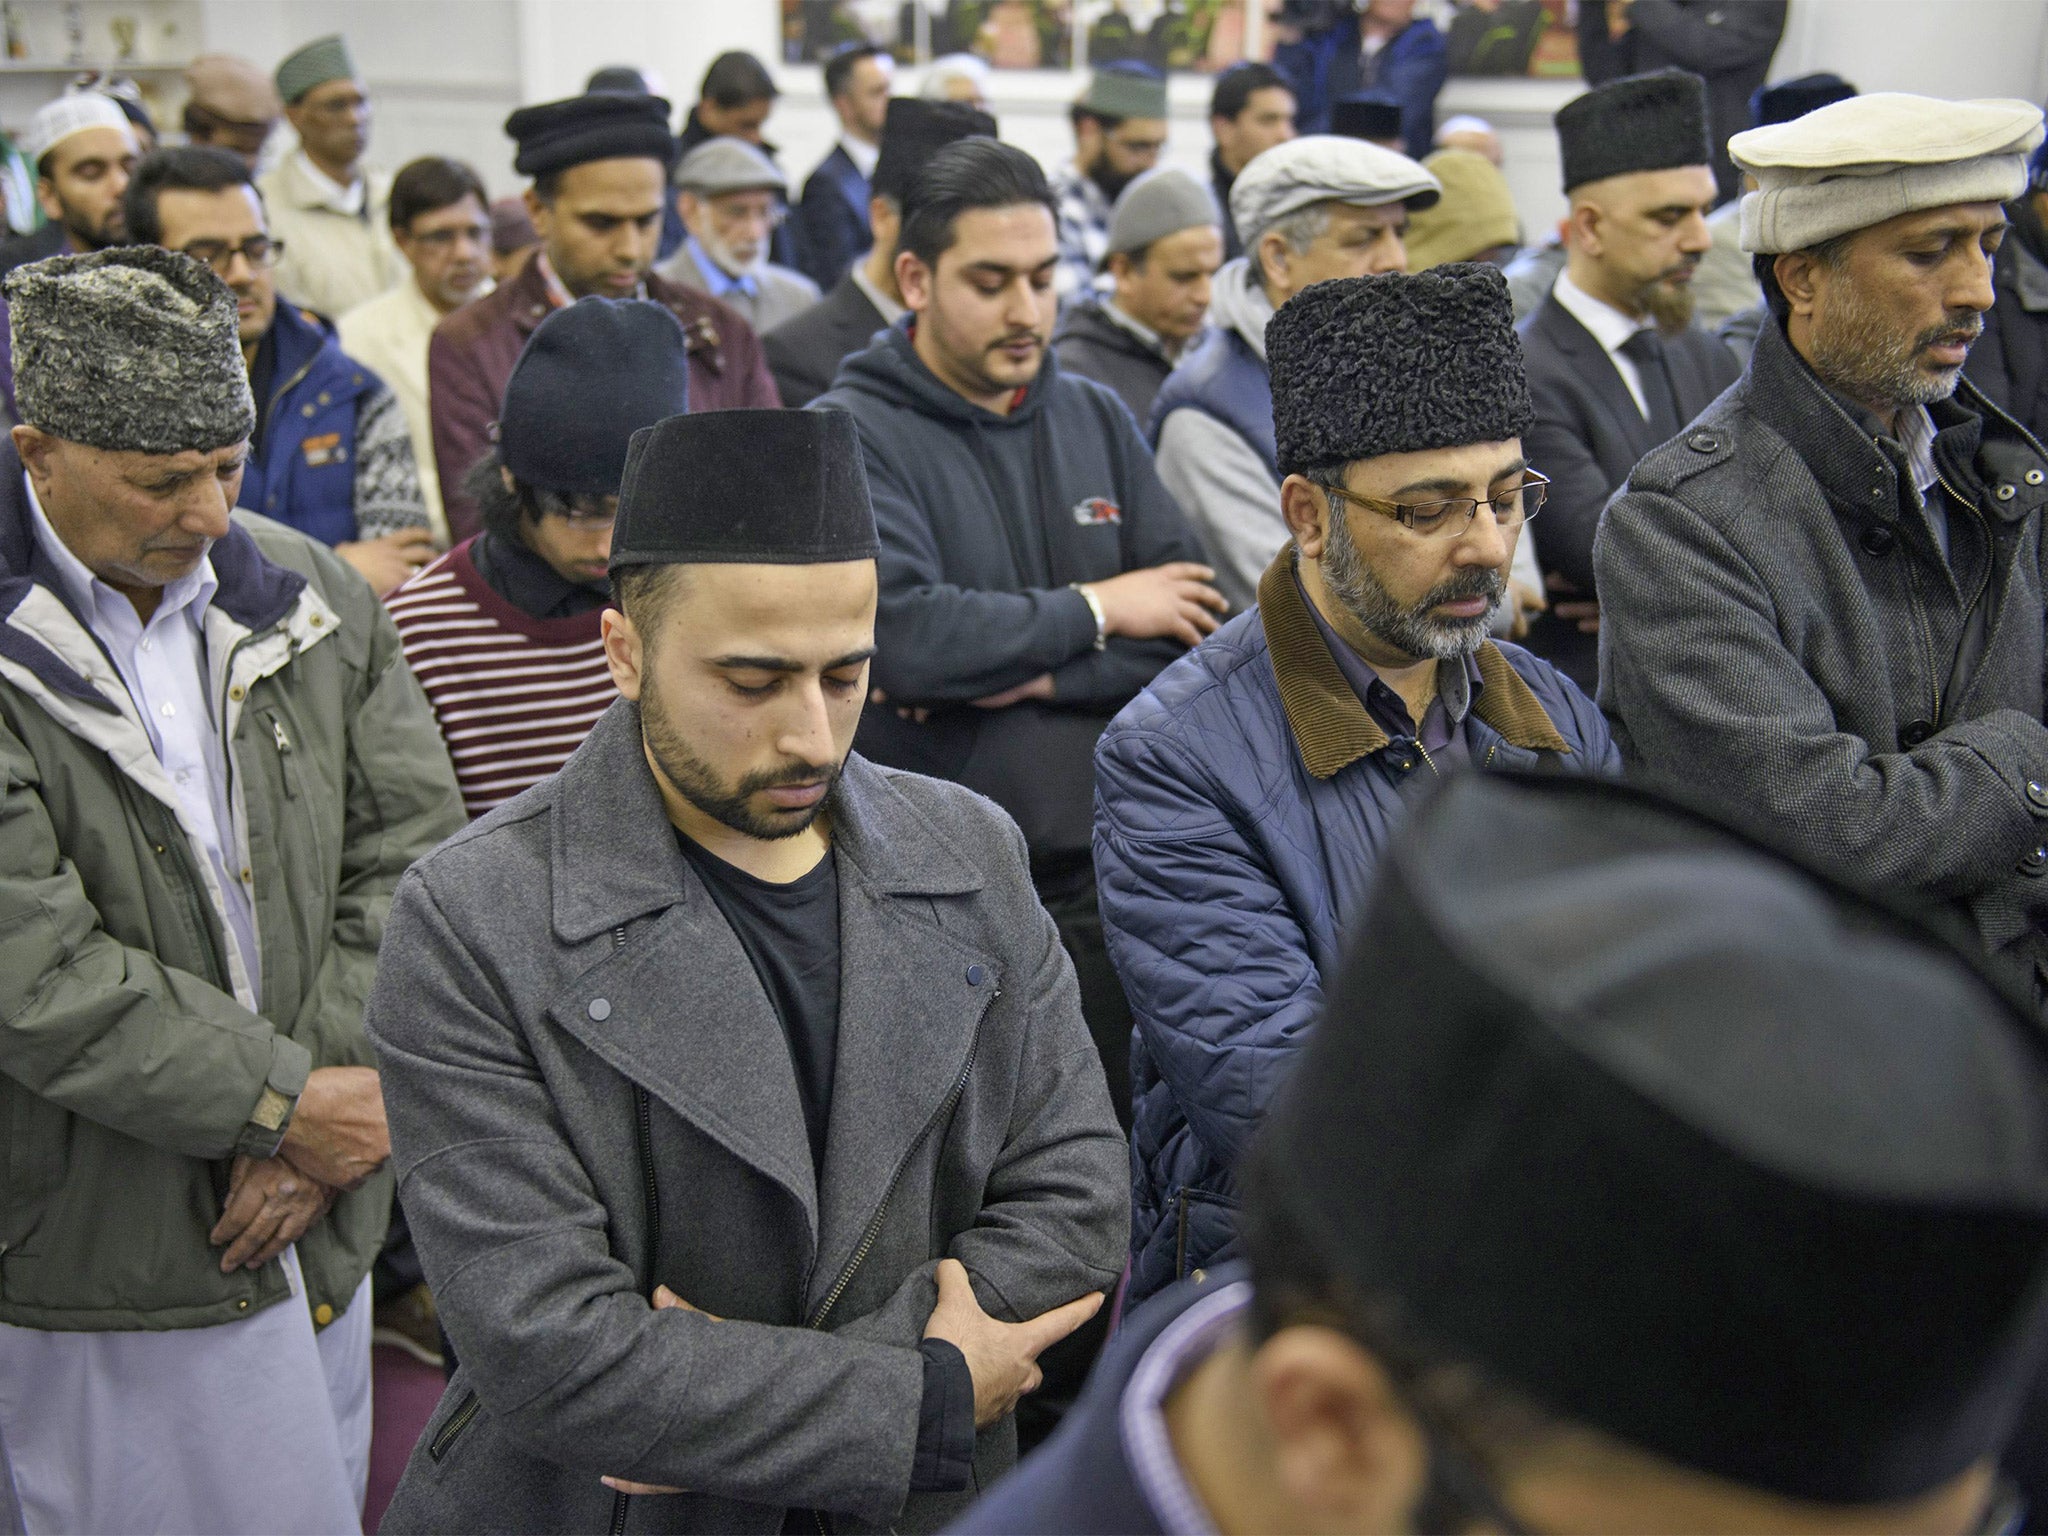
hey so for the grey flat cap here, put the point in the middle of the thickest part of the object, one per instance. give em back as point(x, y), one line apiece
point(1160, 203)
point(728, 165)
point(1323, 168)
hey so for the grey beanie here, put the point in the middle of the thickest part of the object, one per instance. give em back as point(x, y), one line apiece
point(135, 348)
point(1160, 203)
point(1395, 363)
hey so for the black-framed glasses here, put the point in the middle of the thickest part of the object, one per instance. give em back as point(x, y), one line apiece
point(259, 251)
point(1455, 514)
point(587, 510)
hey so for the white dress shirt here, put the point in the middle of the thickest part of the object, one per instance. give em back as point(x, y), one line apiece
point(1610, 327)
point(862, 155)
point(163, 664)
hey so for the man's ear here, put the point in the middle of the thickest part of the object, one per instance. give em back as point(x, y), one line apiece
point(1582, 227)
point(1306, 508)
point(913, 281)
point(46, 196)
point(1798, 274)
point(33, 445)
point(622, 653)
point(1346, 1453)
point(538, 211)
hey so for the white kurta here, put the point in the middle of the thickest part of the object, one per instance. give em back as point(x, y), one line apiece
point(252, 1426)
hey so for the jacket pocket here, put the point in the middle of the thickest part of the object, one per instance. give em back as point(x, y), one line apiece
point(1204, 1229)
point(452, 1427)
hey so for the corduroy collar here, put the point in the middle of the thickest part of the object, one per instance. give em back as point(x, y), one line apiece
point(1332, 728)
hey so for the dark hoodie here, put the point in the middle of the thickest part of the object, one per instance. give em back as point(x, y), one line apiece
point(985, 521)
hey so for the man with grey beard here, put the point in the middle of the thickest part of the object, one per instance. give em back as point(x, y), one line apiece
point(1243, 798)
point(1616, 365)
point(1824, 601)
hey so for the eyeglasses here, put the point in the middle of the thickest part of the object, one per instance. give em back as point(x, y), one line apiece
point(1455, 514)
point(259, 251)
point(586, 510)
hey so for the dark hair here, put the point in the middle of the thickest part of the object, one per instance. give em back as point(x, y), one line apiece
point(498, 505)
point(1107, 121)
point(181, 168)
point(1236, 86)
point(1829, 253)
point(429, 184)
point(736, 78)
point(966, 175)
point(839, 67)
point(644, 593)
point(1466, 1414)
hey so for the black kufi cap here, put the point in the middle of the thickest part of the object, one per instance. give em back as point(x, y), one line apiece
point(1369, 115)
point(1637, 123)
point(604, 125)
point(592, 374)
point(1396, 363)
point(745, 488)
point(1681, 1140)
point(916, 130)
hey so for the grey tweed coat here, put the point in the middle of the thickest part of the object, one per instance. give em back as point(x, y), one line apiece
point(589, 1093)
point(1781, 630)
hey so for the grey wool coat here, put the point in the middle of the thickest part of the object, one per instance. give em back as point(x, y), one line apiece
point(590, 1093)
point(1781, 631)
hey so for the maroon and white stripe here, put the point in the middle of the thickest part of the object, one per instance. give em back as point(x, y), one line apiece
point(514, 695)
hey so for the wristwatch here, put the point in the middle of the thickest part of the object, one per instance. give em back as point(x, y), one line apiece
point(1095, 607)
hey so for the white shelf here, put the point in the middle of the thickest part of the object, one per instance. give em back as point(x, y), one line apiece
point(129, 67)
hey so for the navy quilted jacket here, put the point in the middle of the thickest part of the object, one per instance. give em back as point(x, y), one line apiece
point(1241, 804)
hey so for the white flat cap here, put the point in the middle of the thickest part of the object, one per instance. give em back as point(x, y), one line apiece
point(1324, 168)
point(55, 121)
point(1859, 162)
point(728, 165)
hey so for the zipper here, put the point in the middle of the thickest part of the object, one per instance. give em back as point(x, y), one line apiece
point(873, 1232)
point(1427, 759)
point(458, 1421)
point(1489, 757)
point(284, 758)
point(1977, 596)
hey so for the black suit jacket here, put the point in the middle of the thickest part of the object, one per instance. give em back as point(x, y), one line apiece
point(1588, 436)
point(831, 221)
point(805, 352)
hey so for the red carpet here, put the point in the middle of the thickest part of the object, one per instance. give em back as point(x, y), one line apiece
point(403, 1393)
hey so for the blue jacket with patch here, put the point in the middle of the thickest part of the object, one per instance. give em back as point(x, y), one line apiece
point(303, 471)
point(1242, 801)
point(986, 521)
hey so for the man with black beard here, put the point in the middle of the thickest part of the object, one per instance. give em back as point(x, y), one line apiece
point(1119, 134)
point(1616, 365)
point(1824, 601)
point(1243, 799)
point(748, 1127)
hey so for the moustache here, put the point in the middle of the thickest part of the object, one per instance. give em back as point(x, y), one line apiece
point(1950, 335)
point(1483, 582)
point(795, 776)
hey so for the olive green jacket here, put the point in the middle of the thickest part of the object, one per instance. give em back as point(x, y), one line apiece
point(132, 1057)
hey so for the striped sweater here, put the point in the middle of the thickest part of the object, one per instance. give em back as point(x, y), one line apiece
point(514, 695)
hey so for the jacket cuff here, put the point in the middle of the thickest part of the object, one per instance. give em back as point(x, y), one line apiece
point(944, 1462)
point(263, 1133)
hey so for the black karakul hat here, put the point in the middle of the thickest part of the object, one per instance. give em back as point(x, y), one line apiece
point(603, 125)
point(1395, 363)
point(1369, 115)
point(745, 488)
point(916, 130)
point(1681, 1140)
point(1637, 123)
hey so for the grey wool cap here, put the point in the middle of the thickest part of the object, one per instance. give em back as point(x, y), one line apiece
point(728, 165)
point(1160, 203)
point(132, 349)
point(1397, 363)
point(1323, 168)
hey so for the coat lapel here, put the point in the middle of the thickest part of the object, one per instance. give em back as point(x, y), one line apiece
point(911, 997)
point(1603, 387)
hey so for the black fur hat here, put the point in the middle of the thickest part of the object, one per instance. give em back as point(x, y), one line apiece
point(1397, 363)
point(1637, 123)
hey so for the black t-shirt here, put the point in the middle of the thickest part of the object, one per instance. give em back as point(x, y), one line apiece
point(791, 933)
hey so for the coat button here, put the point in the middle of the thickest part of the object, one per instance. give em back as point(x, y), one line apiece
point(2038, 793)
point(306, 410)
point(1703, 442)
point(1878, 540)
point(2006, 492)
point(976, 975)
point(600, 1009)
point(2035, 477)
point(2035, 864)
point(323, 1315)
point(1916, 731)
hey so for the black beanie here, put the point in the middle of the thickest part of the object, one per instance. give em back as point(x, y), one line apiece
point(1637, 123)
point(1789, 99)
point(745, 488)
point(1396, 363)
point(916, 130)
point(605, 125)
point(592, 374)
